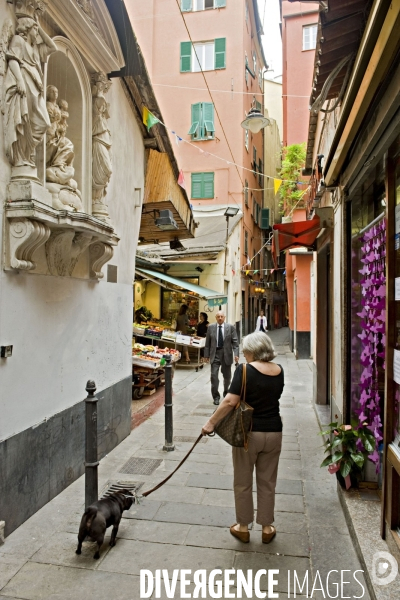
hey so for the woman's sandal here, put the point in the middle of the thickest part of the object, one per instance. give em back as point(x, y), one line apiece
point(268, 537)
point(243, 536)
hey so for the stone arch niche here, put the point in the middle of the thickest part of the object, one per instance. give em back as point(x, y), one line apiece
point(66, 71)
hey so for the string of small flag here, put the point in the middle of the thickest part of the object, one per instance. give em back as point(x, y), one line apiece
point(150, 120)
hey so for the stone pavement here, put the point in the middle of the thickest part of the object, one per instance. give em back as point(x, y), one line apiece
point(184, 525)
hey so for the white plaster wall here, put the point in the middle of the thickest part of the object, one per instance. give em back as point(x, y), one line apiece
point(67, 330)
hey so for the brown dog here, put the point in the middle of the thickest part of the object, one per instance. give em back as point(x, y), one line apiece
point(102, 514)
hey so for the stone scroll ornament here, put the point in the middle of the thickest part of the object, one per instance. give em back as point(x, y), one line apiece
point(101, 147)
point(24, 107)
point(373, 324)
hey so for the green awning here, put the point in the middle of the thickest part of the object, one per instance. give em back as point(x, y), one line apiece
point(214, 298)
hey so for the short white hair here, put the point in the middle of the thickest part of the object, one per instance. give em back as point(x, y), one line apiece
point(259, 345)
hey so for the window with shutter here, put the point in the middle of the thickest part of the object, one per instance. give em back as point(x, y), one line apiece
point(197, 182)
point(186, 5)
point(220, 53)
point(246, 70)
point(203, 57)
point(259, 106)
point(246, 192)
point(194, 130)
point(186, 57)
point(202, 185)
point(260, 170)
point(208, 185)
point(246, 243)
point(202, 127)
point(254, 62)
point(264, 224)
point(208, 120)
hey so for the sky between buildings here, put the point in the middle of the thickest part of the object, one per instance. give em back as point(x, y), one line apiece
point(272, 42)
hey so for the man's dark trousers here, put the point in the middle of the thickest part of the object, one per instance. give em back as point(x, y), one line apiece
point(218, 363)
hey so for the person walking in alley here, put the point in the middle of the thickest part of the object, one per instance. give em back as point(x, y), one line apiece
point(261, 324)
point(182, 324)
point(265, 382)
point(221, 344)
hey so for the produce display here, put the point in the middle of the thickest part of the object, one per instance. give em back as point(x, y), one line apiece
point(149, 352)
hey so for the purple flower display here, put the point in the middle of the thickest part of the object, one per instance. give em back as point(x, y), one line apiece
point(370, 293)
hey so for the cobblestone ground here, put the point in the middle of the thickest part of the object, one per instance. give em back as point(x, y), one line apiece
point(184, 525)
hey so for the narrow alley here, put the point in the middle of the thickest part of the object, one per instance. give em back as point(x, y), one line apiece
point(185, 524)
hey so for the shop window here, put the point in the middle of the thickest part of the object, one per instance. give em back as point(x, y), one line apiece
point(310, 37)
point(202, 127)
point(367, 306)
point(202, 185)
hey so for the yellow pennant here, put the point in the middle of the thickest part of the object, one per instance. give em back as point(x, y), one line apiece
point(277, 185)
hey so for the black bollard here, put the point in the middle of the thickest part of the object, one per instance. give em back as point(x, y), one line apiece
point(169, 429)
point(91, 462)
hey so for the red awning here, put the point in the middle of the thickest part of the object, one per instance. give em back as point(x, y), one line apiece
point(299, 233)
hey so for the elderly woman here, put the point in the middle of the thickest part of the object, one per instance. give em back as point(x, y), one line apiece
point(264, 387)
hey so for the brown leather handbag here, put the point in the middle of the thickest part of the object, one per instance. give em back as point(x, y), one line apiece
point(235, 427)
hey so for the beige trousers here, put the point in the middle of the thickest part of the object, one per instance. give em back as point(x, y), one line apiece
point(263, 453)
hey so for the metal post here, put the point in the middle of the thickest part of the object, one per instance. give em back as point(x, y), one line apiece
point(169, 429)
point(91, 462)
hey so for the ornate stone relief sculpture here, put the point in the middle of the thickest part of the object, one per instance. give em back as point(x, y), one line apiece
point(60, 156)
point(25, 116)
point(87, 7)
point(101, 146)
point(49, 219)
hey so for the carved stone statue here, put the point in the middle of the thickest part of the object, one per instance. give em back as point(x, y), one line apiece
point(60, 156)
point(25, 115)
point(101, 146)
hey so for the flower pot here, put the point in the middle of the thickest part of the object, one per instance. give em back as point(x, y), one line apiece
point(354, 479)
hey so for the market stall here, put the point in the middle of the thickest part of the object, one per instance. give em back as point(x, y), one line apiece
point(148, 368)
point(174, 293)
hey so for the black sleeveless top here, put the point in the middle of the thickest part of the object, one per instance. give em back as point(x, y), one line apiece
point(262, 393)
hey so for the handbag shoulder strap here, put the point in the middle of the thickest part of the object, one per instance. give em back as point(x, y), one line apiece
point(244, 379)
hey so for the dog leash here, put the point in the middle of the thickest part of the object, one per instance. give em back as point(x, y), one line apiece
point(137, 497)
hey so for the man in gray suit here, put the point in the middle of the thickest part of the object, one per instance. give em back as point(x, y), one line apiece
point(221, 344)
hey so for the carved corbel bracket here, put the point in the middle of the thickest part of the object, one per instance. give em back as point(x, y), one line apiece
point(99, 254)
point(26, 236)
point(63, 250)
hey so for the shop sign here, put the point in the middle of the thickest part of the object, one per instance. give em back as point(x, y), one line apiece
point(217, 301)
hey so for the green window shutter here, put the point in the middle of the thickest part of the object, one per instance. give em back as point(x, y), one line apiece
point(197, 184)
point(246, 243)
point(246, 192)
point(264, 218)
point(220, 53)
point(255, 155)
point(196, 116)
point(208, 188)
point(259, 106)
point(186, 57)
point(208, 117)
point(220, 3)
point(186, 5)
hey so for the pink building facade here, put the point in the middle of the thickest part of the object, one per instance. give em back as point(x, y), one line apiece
point(299, 30)
point(206, 108)
point(299, 33)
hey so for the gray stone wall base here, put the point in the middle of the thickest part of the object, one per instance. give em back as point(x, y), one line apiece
point(40, 462)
